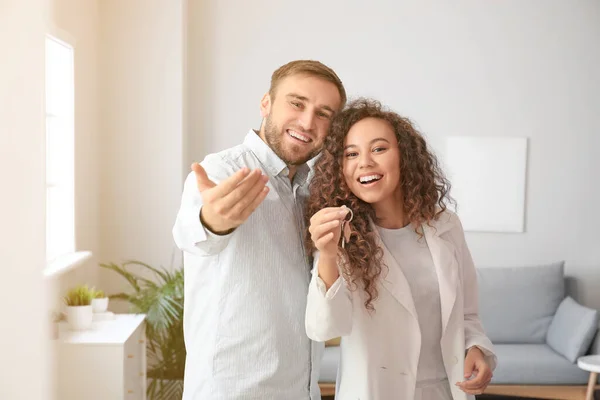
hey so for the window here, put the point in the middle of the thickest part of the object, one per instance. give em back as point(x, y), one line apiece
point(60, 149)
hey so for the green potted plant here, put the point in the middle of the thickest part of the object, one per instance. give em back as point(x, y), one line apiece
point(158, 293)
point(79, 307)
point(99, 302)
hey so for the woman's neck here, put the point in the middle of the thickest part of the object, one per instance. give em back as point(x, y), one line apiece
point(390, 212)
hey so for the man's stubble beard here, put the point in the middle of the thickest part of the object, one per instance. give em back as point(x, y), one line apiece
point(274, 138)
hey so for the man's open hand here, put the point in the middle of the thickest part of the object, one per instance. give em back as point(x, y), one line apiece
point(229, 204)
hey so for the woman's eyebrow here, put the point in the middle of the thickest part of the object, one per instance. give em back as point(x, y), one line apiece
point(371, 142)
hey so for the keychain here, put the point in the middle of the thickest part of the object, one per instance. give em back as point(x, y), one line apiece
point(345, 228)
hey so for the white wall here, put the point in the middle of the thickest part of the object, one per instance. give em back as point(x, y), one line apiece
point(463, 68)
point(23, 337)
point(141, 123)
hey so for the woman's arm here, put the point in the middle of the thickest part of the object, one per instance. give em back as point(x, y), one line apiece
point(329, 307)
point(329, 303)
point(474, 331)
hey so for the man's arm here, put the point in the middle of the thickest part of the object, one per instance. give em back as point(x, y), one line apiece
point(216, 199)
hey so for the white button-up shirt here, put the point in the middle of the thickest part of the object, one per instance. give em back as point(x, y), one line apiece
point(245, 293)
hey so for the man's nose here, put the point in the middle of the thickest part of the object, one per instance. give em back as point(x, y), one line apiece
point(307, 120)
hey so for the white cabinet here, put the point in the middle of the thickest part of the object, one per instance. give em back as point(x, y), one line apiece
point(107, 362)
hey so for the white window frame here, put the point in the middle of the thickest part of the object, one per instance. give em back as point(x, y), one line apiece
point(61, 245)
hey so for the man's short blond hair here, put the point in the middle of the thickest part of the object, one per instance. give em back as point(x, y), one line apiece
point(311, 68)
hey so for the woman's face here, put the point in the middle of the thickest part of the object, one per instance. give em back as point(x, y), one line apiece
point(371, 160)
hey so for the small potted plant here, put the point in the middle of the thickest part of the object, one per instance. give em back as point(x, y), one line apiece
point(79, 308)
point(99, 302)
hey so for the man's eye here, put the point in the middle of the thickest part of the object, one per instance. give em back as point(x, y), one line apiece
point(296, 104)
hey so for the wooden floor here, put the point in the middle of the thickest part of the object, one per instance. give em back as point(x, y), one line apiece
point(484, 397)
point(327, 390)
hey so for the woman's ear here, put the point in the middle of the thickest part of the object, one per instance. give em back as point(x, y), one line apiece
point(265, 105)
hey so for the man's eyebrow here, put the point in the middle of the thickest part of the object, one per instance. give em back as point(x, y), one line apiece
point(371, 142)
point(297, 96)
point(304, 98)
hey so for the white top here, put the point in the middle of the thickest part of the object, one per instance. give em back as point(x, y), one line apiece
point(589, 363)
point(414, 258)
point(245, 293)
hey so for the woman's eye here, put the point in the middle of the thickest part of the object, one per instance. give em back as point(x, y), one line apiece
point(353, 154)
point(379, 149)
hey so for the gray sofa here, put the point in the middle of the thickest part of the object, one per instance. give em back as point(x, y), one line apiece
point(538, 331)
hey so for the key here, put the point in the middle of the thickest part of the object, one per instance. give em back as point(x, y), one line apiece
point(345, 228)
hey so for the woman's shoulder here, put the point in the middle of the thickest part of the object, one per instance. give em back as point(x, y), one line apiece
point(446, 216)
point(448, 220)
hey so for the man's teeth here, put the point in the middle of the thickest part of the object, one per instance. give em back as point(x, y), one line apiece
point(370, 178)
point(298, 136)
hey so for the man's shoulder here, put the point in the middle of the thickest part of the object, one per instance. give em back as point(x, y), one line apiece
point(236, 157)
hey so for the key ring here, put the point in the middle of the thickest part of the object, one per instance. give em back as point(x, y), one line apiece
point(345, 223)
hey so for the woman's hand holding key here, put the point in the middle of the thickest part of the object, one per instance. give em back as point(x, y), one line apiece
point(325, 230)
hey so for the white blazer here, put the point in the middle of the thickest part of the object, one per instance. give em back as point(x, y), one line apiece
point(380, 351)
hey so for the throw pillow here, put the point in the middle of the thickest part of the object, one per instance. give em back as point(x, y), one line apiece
point(572, 329)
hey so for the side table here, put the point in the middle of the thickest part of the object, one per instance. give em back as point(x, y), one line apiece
point(591, 364)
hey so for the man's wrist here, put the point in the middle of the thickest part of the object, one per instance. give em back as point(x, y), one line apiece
point(211, 229)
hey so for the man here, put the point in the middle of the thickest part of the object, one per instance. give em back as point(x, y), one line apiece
point(241, 228)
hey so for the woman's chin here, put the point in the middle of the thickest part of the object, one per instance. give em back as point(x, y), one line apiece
point(370, 198)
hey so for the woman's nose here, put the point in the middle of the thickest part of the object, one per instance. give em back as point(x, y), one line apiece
point(365, 161)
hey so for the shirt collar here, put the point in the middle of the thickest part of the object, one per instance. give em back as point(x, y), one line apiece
point(270, 161)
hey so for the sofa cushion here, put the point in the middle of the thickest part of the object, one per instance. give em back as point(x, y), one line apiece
point(572, 329)
point(516, 305)
point(535, 364)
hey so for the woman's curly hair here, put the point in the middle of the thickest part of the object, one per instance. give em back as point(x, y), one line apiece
point(424, 188)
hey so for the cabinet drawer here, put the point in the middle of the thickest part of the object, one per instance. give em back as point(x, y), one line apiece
point(134, 390)
point(135, 364)
point(114, 356)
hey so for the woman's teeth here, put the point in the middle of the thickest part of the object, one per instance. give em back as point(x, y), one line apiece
point(370, 178)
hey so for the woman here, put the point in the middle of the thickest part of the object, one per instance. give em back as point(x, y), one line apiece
point(399, 285)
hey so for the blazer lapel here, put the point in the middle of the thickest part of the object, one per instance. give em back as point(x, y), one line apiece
point(446, 266)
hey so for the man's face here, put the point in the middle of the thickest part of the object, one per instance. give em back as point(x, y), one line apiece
point(297, 120)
